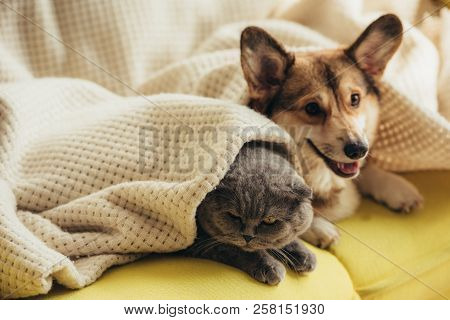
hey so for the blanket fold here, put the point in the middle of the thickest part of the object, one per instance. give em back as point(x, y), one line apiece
point(89, 186)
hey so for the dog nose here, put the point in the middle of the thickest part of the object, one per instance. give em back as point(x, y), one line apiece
point(248, 238)
point(356, 150)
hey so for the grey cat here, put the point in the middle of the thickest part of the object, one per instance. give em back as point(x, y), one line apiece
point(253, 218)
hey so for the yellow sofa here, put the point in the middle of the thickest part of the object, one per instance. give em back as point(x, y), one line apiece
point(382, 255)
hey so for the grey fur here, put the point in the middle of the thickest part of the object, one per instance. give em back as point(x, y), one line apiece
point(261, 183)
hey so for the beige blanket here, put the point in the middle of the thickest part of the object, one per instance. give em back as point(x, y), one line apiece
point(97, 167)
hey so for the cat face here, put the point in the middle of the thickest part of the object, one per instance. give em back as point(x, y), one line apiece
point(258, 205)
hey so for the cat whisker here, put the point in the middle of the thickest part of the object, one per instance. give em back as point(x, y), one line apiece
point(291, 256)
point(211, 243)
point(210, 247)
point(277, 255)
point(201, 245)
point(284, 257)
point(288, 260)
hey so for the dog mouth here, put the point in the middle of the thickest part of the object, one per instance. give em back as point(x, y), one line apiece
point(342, 169)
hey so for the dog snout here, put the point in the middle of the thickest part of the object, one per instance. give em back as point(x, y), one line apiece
point(356, 150)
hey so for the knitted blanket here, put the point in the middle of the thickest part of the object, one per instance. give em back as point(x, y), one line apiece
point(99, 167)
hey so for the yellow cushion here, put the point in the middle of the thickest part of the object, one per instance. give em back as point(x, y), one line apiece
point(401, 256)
point(388, 256)
point(168, 277)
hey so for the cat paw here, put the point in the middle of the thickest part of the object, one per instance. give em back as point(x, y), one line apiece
point(322, 235)
point(304, 261)
point(300, 259)
point(269, 273)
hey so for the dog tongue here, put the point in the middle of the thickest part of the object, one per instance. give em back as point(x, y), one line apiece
point(348, 168)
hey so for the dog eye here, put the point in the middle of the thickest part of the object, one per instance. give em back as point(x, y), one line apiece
point(355, 98)
point(313, 109)
point(269, 220)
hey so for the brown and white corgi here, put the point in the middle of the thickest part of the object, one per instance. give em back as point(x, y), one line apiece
point(334, 93)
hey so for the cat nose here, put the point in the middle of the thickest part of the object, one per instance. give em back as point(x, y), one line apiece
point(247, 237)
point(356, 150)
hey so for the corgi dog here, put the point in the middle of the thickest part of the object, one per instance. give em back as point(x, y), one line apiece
point(334, 93)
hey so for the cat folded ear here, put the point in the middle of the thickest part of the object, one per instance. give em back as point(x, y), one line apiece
point(265, 64)
point(377, 44)
point(302, 191)
point(295, 190)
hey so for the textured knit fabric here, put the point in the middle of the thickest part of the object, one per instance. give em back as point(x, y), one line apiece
point(95, 172)
point(88, 178)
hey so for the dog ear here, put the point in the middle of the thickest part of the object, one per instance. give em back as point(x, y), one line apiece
point(265, 64)
point(377, 44)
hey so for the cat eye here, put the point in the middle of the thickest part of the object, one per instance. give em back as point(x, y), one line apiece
point(313, 109)
point(354, 99)
point(233, 214)
point(269, 220)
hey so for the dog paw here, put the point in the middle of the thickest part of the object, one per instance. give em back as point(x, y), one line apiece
point(270, 273)
point(299, 258)
point(322, 235)
point(401, 196)
point(390, 189)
